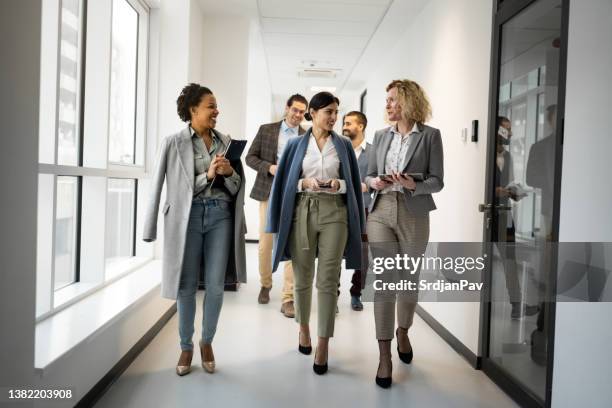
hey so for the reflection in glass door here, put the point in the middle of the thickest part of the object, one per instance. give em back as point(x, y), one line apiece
point(519, 217)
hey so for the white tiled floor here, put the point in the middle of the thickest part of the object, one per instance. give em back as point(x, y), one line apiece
point(258, 364)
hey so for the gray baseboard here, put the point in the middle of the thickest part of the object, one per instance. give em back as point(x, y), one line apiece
point(105, 383)
point(453, 341)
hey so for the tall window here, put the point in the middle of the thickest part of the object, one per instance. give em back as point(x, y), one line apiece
point(92, 147)
point(119, 241)
point(66, 234)
point(124, 50)
point(69, 78)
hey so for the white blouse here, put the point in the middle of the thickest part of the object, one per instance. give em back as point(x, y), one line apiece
point(321, 164)
point(398, 149)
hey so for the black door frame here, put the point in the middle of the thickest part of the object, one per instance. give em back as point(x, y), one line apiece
point(503, 11)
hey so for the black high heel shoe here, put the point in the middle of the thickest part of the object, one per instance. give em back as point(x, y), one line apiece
point(383, 382)
point(304, 349)
point(319, 369)
point(405, 357)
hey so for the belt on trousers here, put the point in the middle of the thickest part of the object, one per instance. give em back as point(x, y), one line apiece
point(394, 194)
point(312, 204)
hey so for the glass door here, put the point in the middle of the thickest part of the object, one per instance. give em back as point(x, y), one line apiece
point(521, 179)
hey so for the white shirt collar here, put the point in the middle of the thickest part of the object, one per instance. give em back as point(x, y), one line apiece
point(329, 144)
point(362, 146)
point(415, 129)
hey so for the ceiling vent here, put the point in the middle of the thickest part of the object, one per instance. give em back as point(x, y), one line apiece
point(317, 73)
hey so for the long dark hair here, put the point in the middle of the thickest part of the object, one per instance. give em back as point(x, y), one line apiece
point(320, 100)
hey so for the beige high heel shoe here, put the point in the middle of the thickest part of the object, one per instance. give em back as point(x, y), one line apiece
point(183, 367)
point(209, 366)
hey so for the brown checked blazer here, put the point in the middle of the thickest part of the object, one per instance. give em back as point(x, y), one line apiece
point(262, 155)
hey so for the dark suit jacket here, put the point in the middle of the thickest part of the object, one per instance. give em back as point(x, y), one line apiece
point(284, 190)
point(262, 155)
point(362, 161)
point(541, 171)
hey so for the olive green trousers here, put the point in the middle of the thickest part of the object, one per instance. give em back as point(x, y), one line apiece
point(319, 231)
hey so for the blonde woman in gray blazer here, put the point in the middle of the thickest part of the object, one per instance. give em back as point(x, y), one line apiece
point(399, 211)
point(203, 220)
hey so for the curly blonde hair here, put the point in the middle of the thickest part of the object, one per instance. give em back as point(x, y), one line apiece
point(413, 100)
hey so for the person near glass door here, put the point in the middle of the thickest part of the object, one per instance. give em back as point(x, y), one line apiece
point(399, 212)
point(540, 174)
point(504, 231)
point(203, 220)
point(316, 212)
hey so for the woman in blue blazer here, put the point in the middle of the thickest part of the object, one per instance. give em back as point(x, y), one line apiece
point(316, 211)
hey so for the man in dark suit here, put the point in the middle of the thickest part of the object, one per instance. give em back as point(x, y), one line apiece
point(353, 127)
point(263, 156)
point(540, 174)
point(504, 230)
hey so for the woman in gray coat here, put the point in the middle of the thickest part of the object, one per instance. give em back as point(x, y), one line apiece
point(203, 219)
point(399, 211)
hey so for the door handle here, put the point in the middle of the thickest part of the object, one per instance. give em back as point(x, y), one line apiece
point(489, 207)
point(485, 207)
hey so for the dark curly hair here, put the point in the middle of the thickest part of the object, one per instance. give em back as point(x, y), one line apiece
point(320, 100)
point(190, 96)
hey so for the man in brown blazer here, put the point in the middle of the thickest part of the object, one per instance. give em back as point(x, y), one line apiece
point(263, 157)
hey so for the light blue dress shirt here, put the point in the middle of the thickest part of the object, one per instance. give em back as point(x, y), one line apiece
point(284, 135)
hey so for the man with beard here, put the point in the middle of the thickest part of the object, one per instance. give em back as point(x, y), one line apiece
point(353, 127)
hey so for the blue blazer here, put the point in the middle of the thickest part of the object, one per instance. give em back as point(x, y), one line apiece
point(281, 202)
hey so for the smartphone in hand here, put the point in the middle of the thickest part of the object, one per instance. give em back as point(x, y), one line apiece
point(325, 185)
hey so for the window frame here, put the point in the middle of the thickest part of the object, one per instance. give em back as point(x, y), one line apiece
point(77, 231)
point(91, 174)
point(82, 23)
point(133, 237)
point(139, 137)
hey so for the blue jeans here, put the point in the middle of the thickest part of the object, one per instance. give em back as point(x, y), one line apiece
point(208, 243)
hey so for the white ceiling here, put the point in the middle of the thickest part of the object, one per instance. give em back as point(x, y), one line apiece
point(346, 37)
point(328, 35)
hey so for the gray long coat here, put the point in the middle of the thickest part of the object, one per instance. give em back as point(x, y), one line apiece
point(175, 164)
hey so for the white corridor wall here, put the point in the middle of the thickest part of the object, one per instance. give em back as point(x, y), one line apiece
point(445, 52)
point(583, 332)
